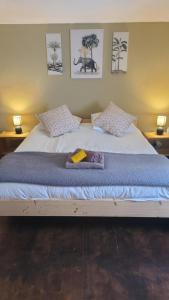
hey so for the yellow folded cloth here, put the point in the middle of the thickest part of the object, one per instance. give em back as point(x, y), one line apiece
point(78, 156)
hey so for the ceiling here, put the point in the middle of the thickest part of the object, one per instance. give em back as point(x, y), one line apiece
point(82, 11)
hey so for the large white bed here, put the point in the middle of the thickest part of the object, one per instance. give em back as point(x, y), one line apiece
point(31, 199)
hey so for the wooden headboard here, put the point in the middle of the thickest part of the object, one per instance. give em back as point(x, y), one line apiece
point(86, 121)
point(89, 121)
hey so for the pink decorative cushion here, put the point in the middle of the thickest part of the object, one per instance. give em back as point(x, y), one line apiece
point(59, 121)
point(114, 120)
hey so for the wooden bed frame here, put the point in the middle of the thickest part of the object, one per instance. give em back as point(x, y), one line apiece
point(85, 208)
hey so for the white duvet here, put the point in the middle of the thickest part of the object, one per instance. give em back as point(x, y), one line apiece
point(85, 137)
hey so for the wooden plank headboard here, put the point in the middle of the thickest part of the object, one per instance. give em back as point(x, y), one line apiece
point(89, 121)
point(86, 121)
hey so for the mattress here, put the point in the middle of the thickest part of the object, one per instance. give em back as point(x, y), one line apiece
point(85, 137)
point(29, 191)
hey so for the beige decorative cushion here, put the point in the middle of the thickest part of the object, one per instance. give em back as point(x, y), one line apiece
point(114, 120)
point(75, 117)
point(59, 121)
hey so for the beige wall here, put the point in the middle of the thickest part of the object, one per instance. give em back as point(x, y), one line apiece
point(26, 88)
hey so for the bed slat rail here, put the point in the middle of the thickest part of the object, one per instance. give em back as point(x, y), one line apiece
point(85, 208)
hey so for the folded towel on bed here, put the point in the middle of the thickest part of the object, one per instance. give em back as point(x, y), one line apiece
point(78, 156)
point(93, 160)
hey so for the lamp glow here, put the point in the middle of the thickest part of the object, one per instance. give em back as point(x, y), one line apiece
point(161, 122)
point(17, 121)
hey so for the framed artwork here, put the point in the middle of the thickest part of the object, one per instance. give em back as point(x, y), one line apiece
point(54, 54)
point(86, 53)
point(120, 52)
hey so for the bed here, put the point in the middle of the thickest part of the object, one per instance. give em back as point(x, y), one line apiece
point(23, 199)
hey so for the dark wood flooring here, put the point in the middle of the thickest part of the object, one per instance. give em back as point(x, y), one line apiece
point(84, 259)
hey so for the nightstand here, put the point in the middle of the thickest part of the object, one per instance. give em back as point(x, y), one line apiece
point(9, 141)
point(159, 142)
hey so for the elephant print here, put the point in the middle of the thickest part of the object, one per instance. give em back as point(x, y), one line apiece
point(86, 51)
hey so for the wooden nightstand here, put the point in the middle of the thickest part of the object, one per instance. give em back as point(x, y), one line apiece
point(159, 142)
point(9, 141)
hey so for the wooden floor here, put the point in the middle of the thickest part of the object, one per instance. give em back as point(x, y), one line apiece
point(80, 259)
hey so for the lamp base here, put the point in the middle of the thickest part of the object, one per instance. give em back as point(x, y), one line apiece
point(160, 131)
point(18, 130)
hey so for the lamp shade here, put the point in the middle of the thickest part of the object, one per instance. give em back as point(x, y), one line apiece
point(17, 120)
point(161, 120)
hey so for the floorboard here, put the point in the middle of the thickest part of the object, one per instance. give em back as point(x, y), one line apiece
point(84, 259)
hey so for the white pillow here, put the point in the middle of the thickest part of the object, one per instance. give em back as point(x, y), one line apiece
point(93, 118)
point(59, 121)
point(114, 120)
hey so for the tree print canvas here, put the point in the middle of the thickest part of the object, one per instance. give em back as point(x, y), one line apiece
point(86, 53)
point(54, 54)
point(120, 51)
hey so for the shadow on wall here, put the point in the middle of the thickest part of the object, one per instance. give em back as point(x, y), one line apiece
point(93, 107)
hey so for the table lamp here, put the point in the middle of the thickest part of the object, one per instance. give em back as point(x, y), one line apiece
point(17, 120)
point(161, 121)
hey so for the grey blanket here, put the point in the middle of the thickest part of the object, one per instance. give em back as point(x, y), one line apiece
point(120, 169)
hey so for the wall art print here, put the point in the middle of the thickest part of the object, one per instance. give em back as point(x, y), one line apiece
point(86, 53)
point(120, 52)
point(54, 54)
